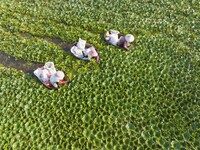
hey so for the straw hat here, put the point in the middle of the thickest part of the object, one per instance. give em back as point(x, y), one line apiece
point(129, 38)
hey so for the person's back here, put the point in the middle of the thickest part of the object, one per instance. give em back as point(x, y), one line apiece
point(113, 39)
point(44, 75)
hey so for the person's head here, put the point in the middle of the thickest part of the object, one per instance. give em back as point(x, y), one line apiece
point(59, 75)
point(106, 35)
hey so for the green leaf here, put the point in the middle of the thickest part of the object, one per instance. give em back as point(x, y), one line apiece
point(145, 135)
point(86, 133)
point(176, 145)
point(86, 118)
point(186, 136)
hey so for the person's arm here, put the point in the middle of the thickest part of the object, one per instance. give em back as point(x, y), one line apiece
point(54, 81)
point(121, 41)
point(55, 85)
point(62, 82)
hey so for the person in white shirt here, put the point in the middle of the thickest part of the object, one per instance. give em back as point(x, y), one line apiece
point(113, 37)
point(48, 75)
point(45, 72)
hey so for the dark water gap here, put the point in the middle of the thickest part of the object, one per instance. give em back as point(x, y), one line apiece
point(29, 67)
point(65, 46)
point(19, 64)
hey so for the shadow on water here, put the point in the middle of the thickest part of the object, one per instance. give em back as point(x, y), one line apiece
point(11, 62)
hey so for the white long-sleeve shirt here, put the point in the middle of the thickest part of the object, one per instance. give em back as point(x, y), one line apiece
point(113, 39)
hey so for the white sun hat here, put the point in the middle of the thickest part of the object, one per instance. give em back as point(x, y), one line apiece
point(59, 75)
point(129, 38)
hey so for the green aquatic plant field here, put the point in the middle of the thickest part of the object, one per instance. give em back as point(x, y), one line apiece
point(147, 98)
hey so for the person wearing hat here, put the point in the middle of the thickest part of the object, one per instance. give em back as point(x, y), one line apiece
point(84, 51)
point(45, 72)
point(113, 37)
point(56, 78)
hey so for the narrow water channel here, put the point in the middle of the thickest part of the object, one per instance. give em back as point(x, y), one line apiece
point(19, 64)
point(29, 67)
